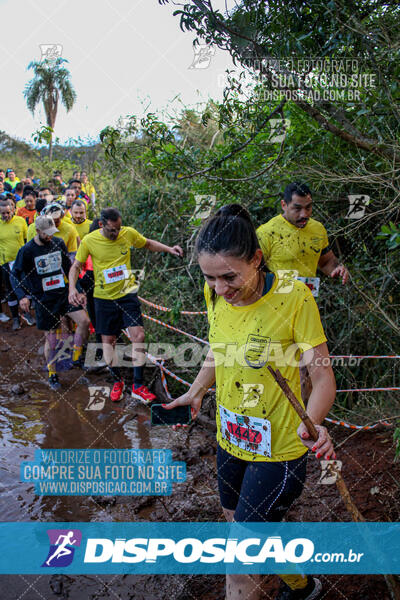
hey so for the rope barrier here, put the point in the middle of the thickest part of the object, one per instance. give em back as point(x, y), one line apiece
point(163, 370)
point(194, 337)
point(365, 427)
point(165, 309)
point(388, 389)
point(187, 312)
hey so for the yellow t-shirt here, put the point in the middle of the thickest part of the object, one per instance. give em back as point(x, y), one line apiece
point(275, 329)
point(12, 238)
point(88, 189)
point(20, 204)
point(111, 261)
point(82, 228)
point(288, 247)
point(66, 232)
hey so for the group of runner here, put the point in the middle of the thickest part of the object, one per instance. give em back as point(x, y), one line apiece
point(259, 290)
point(36, 266)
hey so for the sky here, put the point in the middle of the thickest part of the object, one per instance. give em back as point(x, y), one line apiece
point(125, 57)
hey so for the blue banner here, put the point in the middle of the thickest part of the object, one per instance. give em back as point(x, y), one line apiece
point(199, 548)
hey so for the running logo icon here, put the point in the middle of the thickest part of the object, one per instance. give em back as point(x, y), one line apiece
point(62, 547)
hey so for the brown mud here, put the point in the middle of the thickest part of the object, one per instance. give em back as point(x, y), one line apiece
point(32, 416)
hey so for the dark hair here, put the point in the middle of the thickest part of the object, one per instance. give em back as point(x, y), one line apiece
point(95, 225)
point(29, 191)
point(40, 204)
point(71, 181)
point(301, 189)
point(19, 187)
point(230, 231)
point(45, 187)
point(78, 203)
point(29, 172)
point(109, 214)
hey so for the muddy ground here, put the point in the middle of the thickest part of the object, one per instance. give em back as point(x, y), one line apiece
point(33, 417)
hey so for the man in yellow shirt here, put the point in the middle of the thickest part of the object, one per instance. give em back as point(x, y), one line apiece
point(293, 241)
point(66, 231)
point(116, 303)
point(78, 218)
point(13, 231)
point(296, 244)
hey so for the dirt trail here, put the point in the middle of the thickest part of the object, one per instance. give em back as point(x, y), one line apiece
point(33, 417)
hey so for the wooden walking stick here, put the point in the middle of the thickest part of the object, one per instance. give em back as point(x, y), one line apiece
point(342, 487)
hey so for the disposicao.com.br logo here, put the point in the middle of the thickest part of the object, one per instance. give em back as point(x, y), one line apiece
point(62, 547)
point(193, 550)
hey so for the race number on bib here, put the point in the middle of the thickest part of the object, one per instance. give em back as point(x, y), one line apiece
point(48, 263)
point(312, 283)
point(52, 283)
point(248, 433)
point(115, 274)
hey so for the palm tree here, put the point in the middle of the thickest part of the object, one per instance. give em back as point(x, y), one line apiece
point(50, 84)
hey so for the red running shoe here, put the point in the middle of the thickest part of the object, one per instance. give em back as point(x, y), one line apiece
point(143, 394)
point(117, 391)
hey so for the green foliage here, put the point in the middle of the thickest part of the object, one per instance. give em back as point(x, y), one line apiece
point(396, 437)
point(390, 233)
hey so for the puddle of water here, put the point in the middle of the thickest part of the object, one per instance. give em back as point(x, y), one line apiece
point(41, 418)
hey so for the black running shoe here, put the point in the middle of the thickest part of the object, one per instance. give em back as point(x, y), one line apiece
point(54, 383)
point(16, 324)
point(28, 319)
point(312, 591)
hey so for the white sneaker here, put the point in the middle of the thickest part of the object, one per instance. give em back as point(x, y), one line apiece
point(4, 318)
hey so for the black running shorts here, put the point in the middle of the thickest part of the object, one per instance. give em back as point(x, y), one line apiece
point(114, 315)
point(259, 491)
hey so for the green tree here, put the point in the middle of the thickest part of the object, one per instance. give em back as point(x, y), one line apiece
point(50, 84)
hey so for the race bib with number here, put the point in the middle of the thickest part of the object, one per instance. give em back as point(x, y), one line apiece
point(252, 434)
point(52, 283)
point(312, 283)
point(115, 274)
point(48, 263)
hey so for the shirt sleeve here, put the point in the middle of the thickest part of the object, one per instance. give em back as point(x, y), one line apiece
point(17, 275)
point(135, 238)
point(72, 240)
point(83, 252)
point(65, 261)
point(325, 241)
point(264, 239)
point(31, 232)
point(307, 327)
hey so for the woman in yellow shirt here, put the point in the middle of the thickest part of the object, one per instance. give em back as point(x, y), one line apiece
point(255, 319)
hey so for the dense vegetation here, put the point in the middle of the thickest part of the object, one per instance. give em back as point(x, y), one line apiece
point(248, 147)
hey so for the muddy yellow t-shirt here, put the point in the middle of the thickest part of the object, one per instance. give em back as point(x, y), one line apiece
point(111, 261)
point(288, 247)
point(12, 238)
point(255, 421)
point(66, 232)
